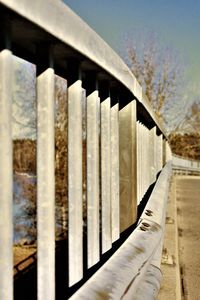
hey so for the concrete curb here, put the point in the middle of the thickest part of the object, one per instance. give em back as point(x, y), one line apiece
point(171, 286)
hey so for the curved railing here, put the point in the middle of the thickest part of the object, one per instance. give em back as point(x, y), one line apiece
point(134, 270)
point(66, 90)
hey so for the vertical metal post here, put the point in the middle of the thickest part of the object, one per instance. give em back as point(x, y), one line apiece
point(140, 158)
point(128, 184)
point(142, 161)
point(115, 211)
point(105, 176)
point(161, 151)
point(137, 159)
point(6, 177)
point(93, 127)
point(139, 162)
point(46, 186)
point(75, 190)
point(153, 154)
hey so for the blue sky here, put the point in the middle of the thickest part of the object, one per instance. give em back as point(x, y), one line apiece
point(177, 22)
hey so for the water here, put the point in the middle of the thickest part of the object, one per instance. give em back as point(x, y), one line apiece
point(24, 208)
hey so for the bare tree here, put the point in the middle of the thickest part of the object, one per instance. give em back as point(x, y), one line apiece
point(24, 99)
point(191, 121)
point(160, 71)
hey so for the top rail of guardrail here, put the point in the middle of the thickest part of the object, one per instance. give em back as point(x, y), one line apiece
point(60, 21)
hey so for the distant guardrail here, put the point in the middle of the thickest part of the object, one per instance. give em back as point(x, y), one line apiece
point(182, 164)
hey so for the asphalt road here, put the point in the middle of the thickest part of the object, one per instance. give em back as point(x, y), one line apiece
point(188, 220)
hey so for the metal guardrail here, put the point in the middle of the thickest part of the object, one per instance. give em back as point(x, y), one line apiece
point(115, 146)
point(182, 164)
point(122, 276)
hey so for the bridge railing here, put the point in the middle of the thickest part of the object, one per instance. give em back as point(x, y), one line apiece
point(185, 165)
point(76, 109)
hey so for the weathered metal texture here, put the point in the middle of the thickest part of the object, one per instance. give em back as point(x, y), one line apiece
point(164, 151)
point(149, 287)
point(144, 169)
point(75, 211)
point(106, 176)
point(141, 162)
point(138, 161)
point(161, 151)
point(155, 208)
point(6, 177)
point(124, 268)
point(141, 167)
point(129, 267)
point(168, 152)
point(154, 211)
point(115, 210)
point(157, 153)
point(84, 157)
point(45, 186)
point(146, 158)
point(93, 127)
point(148, 163)
point(128, 172)
point(153, 154)
point(150, 158)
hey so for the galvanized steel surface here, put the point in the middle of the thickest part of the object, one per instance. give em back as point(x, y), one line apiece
point(125, 269)
point(75, 182)
point(106, 176)
point(180, 163)
point(120, 151)
point(56, 17)
point(127, 155)
point(115, 209)
point(6, 177)
point(93, 171)
point(45, 186)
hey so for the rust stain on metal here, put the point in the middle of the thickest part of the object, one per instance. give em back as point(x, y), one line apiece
point(139, 249)
point(102, 295)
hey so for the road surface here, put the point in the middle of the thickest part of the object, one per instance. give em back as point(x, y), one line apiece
point(188, 217)
point(181, 251)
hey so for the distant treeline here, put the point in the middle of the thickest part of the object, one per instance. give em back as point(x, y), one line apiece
point(186, 145)
point(24, 161)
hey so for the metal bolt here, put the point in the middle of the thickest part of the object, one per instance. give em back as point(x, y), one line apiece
point(149, 212)
point(143, 228)
point(145, 224)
